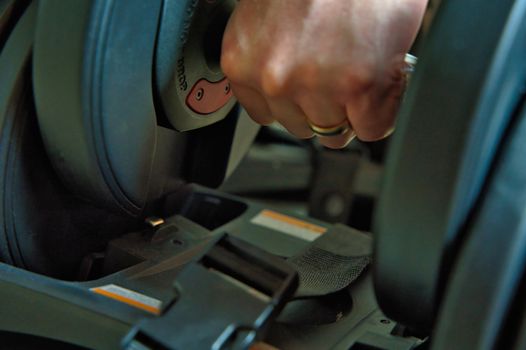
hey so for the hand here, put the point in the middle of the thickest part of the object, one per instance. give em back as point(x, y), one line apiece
point(322, 61)
point(262, 346)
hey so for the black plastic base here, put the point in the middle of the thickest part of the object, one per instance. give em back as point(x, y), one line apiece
point(150, 261)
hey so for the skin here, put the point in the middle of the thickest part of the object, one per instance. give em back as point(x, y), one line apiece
point(262, 346)
point(323, 61)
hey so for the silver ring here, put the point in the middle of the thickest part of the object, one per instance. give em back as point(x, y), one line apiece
point(410, 64)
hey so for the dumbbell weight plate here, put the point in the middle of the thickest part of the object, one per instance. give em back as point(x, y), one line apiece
point(107, 91)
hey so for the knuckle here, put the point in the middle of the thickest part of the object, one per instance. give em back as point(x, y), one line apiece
point(359, 78)
point(273, 83)
point(310, 76)
point(230, 66)
point(261, 119)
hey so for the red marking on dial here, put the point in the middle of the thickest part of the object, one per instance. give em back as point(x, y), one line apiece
point(207, 97)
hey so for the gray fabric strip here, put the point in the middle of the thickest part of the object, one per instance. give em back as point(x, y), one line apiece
point(332, 262)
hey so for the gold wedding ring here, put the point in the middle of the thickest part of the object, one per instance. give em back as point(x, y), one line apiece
point(336, 130)
point(340, 129)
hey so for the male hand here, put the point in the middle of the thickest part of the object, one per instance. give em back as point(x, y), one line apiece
point(321, 61)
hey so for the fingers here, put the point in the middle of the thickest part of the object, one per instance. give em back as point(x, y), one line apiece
point(291, 116)
point(289, 65)
point(370, 110)
point(373, 115)
point(322, 112)
point(254, 103)
point(262, 346)
point(266, 111)
point(370, 115)
point(337, 142)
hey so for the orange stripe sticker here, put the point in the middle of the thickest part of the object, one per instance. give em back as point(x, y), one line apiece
point(288, 225)
point(130, 297)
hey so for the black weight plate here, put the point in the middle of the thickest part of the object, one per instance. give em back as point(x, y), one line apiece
point(43, 228)
point(13, 59)
point(6, 10)
point(465, 90)
point(487, 275)
point(92, 77)
point(93, 80)
point(10, 12)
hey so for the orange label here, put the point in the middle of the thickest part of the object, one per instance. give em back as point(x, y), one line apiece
point(289, 225)
point(130, 297)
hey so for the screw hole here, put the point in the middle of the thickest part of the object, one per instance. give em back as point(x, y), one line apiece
point(199, 94)
point(384, 321)
point(177, 242)
point(227, 88)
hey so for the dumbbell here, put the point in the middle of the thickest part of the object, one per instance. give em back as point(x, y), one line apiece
point(126, 95)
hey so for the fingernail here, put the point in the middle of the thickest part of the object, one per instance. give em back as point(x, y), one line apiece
point(353, 136)
point(388, 133)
